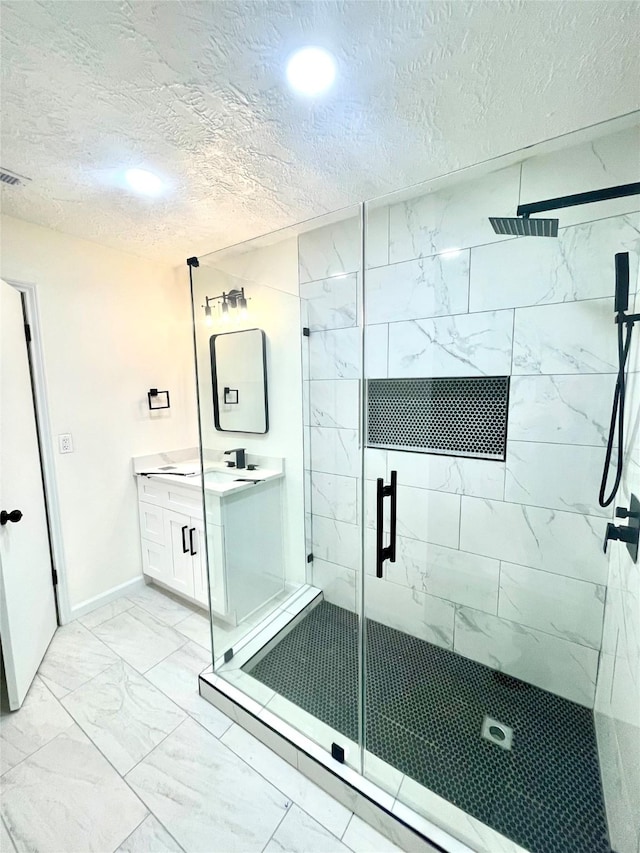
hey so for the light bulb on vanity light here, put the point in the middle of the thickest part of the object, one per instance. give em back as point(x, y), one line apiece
point(225, 311)
point(242, 305)
point(207, 315)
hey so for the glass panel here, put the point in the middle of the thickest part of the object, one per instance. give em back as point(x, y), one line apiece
point(485, 629)
point(284, 553)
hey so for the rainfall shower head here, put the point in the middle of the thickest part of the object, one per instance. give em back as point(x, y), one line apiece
point(522, 226)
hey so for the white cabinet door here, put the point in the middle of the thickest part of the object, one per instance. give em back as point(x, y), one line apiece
point(180, 562)
point(151, 522)
point(155, 561)
point(199, 556)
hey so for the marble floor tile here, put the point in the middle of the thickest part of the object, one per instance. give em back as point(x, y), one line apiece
point(362, 838)
point(299, 833)
point(139, 638)
point(322, 807)
point(74, 657)
point(177, 677)
point(150, 837)
point(123, 714)
point(88, 807)
point(108, 611)
point(6, 844)
point(196, 627)
point(161, 605)
point(39, 720)
point(200, 790)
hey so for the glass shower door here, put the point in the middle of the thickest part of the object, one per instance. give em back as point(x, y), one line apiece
point(285, 557)
point(485, 583)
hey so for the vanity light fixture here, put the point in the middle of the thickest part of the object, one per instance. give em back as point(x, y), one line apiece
point(234, 299)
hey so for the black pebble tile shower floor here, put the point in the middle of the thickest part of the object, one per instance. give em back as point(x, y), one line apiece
point(425, 709)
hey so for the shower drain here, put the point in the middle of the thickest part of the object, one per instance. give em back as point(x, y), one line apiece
point(497, 733)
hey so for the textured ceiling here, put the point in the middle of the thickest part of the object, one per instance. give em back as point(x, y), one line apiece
point(194, 91)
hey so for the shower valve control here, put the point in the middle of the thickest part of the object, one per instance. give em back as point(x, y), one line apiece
point(623, 512)
point(627, 533)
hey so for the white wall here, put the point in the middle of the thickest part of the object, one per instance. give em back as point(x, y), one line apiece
point(269, 276)
point(113, 325)
point(499, 561)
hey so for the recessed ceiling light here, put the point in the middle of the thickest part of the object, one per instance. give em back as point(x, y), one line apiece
point(144, 182)
point(311, 70)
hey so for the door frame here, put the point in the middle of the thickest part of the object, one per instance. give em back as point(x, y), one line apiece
point(29, 291)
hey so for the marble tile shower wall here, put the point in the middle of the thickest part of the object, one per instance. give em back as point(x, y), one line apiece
point(617, 715)
point(500, 561)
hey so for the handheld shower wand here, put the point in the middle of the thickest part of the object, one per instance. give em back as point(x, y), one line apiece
point(625, 327)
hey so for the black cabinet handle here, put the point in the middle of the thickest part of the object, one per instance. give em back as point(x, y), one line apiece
point(185, 550)
point(192, 550)
point(382, 492)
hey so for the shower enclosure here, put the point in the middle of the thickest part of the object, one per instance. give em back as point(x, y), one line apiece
point(431, 616)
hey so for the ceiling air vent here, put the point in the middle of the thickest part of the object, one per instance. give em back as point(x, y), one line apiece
point(12, 178)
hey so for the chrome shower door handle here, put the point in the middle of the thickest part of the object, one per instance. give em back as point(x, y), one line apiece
point(389, 552)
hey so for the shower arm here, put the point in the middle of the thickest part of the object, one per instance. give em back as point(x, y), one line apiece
point(621, 191)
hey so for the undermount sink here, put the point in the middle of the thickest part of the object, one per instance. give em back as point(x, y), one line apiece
point(215, 476)
point(228, 480)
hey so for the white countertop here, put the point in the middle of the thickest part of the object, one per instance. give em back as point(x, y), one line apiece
point(219, 480)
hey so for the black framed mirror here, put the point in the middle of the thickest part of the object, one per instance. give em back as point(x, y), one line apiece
point(239, 378)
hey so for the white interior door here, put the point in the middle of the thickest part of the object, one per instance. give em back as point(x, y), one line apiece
point(27, 604)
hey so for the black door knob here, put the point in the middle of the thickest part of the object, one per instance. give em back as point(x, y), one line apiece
point(15, 515)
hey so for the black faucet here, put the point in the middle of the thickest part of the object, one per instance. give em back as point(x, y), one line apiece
point(241, 456)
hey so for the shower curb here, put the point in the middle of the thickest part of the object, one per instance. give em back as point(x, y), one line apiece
point(411, 832)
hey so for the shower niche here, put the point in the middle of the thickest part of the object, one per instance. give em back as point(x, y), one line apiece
point(464, 416)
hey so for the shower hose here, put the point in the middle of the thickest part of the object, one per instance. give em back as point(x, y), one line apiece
point(617, 414)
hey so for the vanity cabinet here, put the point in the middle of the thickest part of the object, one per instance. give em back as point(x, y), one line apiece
point(173, 544)
point(244, 537)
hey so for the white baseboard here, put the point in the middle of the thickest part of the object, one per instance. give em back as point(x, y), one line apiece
point(90, 604)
